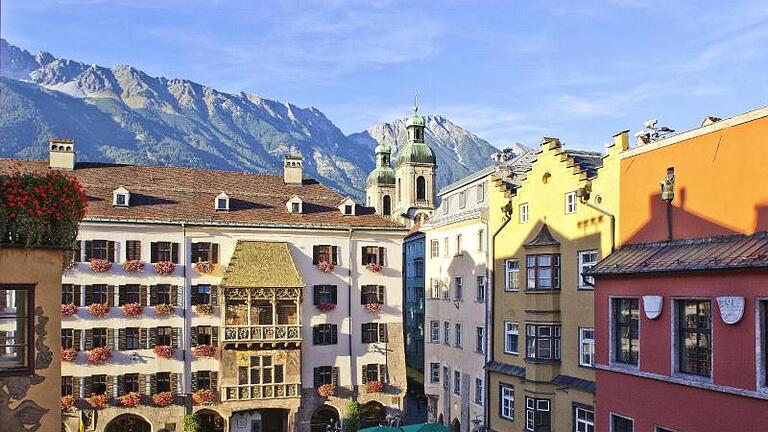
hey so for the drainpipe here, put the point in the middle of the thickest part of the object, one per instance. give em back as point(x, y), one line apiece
point(352, 359)
point(187, 323)
point(611, 217)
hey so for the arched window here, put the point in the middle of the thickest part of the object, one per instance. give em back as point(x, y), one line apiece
point(387, 207)
point(421, 188)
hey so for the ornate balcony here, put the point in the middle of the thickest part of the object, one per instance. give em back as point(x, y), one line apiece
point(262, 333)
point(260, 391)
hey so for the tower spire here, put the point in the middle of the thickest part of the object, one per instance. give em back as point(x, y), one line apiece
point(416, 102)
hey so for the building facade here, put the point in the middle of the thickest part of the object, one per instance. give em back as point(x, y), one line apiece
point(413, 320)
point(681, 306)
point(255, 302)
point(547, 230)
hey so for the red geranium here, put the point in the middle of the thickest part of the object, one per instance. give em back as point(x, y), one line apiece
point(132, 309)
point(204, 309)
point(131, 399)
point(373, 307)
point(133, 266)
point(326, 307)
point(165, 309)
point(99, 310)
point(164, 268)
point(204, 267)
point(162, 399)
point(99, 265)
point(374, 386)
point(98, 355)
point(202, 396)
point(325, 266)
point(204, 350)
point(374, 267)
point(326, 390)
point(164, 351)
point(68, 355)
point(68, 309)
point(98, 401)
point(67, 402)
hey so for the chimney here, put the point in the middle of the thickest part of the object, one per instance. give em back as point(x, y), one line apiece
point(292, 170)
point(61, 154)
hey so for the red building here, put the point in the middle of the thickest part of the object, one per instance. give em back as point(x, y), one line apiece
point(681, 306)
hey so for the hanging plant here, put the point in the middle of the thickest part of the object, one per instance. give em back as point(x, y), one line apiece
point(325, 266)
point(204, 350)
point(165, 309)
point(99, 265)
point(98, 401)
point(68, 309)
point(67, 402)
point(68, 355)
point(326, 390)
point(98, 310)
point(203, 396)
point(162, 399)
point(98, 355)
point(374, 267)
point(164, 268)
point(132, 309)
point(204, 267)
point(326, 307)
point(204, 309)
point(164, 351)
point(373, 307)
point(131, 399)
point(374, 386)
point(133, 266)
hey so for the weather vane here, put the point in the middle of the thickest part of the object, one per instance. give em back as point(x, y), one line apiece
point(416, 102)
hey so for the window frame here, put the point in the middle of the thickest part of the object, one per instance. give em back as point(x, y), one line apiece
point(458, 288)
point(554, 338)
point(479, 339)
point(524, 216)
point(509, 330)
point(434, 246)
point(615, 336)
point(479, 392)
point(570, 202)
point(554, 267)
point(613, 415)
point(503, 398)
point(582, 283)
point(590, 342)
point(447, 333)
point(457, 382)
point(576, 420)
point(534, 409)
point(434, 368)
point(508, 271)
point(458, 336)
point(434, 331)
point(679, 338)
point(480, 295)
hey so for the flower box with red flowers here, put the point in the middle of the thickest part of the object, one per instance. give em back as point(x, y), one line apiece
point(374, 267)
point(204, 350)
point(165, 309)
point(204, 267)
point(162, 399)
point(99, 265)
point(326, 307)
point(68, 355)
point(131, 399)
point(98, 355)
point(204, 309)
point(374, 386)
point(132, 309)
point(163, 351)
point(133, 266)
point(164, 268)
point(373, 307)
point(67, 402)
point(326, 390)
point(98, 401)
point(203, 396)
point(68, 309)
point(98, 310)
point(325, 266)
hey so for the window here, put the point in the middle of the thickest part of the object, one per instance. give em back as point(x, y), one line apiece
point(100, 249)
point(445, 247)
point(480, 240)
point(98, 384)
point(462, 199)
point(446, 291)
point(67, 386)
point(458, 287)
point(512, 275)
point(621, 424)
point(570, 202)
point(161, 294)
point(479, 339)
point(584, 419)
point(131, 383)
point(221, 204)
point(373, 255)
point(129, 294)
point(663, 429)
point(457, 383)
point(537, 415)
point(98, 294)
point(325, 334)
point(121, 199)
point(325, 375)
point(507, 405)
point(446, 378)
point(68, 294)
point(587, 260)
point(324, 294)
point(164, 336)
point(99, 337)
point(261, 370)
point(295, 207)
point(375, 372)
point(524, 213)
point(447, 333)
point(68, 338)
point(434, 331)
point(434, 373)
point(626, 321)
point(587, 347)
point(132, 250)
point(434, 248)
point(347, 209)
point(204, 335)
point(201, 294)
point(511, 336)
point(372, 294)
point(694, 337)
point(421, 188)
point(204, 380)
point(164, 251)
point(163, 381)
point(543, 272)
point(480, 297)
point(542, 342)
point(459, 250)
point(205, 251)
point(480, 192)
point(132, 338)
point(374, 332)
point(458, 335)
point(325, 253)
point(478, 391)
point(435, 284)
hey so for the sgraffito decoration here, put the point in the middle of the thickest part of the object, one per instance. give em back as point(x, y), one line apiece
point(731, 309)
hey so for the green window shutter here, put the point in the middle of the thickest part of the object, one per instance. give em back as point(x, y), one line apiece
point(153, 252)
point(121, 293)
point(194, 381)
point(194, 294)
point(214, 380)
point(383, 373)
point(153, 295)
point(76, 386)
point(214, 295)
point(174, 383)
point(120, 385)
point(143, 339)
point(152, 337)
point(214, 253)
point(381, 294)
point(174, 295)
point(335, 255)
point(383, 337)
point(87, 384)
point(110, 295)
point(364, 256)
point(88, 251)
point(78, 255)
point(176, 336)
point(88, 339)
point(335, 376)
point(143, 295)
point(175, 253)
point(111, 338)
point(365, 376)
point(111, 386)
point(111, 251)
point(152, 384)
point(76, 337)
point(215, 336)
point(77, 294)
point(382, 254)
point(88, 295)
point(315, 252)
point(334, 334)
point(142, 383)
point(193, 336)
point(121, 339)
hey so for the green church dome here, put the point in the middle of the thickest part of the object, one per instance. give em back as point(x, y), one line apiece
point(416, 152)
point(382, 148)
point(383, 176)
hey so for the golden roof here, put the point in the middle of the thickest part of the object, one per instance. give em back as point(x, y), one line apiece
point(260, 264)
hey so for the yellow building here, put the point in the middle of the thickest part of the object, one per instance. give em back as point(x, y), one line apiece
point(558, 222)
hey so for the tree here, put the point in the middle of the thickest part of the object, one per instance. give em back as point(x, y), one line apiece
point(192, 424)
point(353, 416)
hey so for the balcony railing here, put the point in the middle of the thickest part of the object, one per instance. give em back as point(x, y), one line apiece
point(260, 391)
point(423, 203)
point(262, 333)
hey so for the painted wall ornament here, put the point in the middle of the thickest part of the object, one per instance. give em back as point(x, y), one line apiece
point(652, 305)
point(731, 308)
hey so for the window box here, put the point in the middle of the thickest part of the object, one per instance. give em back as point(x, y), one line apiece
point(132, 309)
point(98, 401)
point(165, 309)
point(98, 355)
point(326, 307)
point(99, 310)
point(204, 351)
point(163, 351)
point(164, 268)
point(68, 402)
point(204, 309)
point(99, 265)
point(204, 267)
point(132, 266)
point(374, 386)
point(162, 399)
point(325, 266)
point(68, 355)
point(131, 399)
point(326, 390)
point(68, 309)
point(373, 307)
point(203, 396)
point(374, 267)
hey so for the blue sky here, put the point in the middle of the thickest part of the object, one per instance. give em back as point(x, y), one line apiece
point(510, 71)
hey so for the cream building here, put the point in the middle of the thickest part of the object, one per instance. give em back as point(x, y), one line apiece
point(258, 288)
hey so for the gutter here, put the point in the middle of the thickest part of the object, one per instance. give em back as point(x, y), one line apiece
point(313, 227)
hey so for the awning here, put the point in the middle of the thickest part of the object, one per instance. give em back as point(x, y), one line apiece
point(260, 264)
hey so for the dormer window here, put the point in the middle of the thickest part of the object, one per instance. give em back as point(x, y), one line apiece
point(295, 205)
point(121, 197)
point(347, 207)
point(222, 202)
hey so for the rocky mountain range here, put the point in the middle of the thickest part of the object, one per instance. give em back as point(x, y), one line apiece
point(123, 115)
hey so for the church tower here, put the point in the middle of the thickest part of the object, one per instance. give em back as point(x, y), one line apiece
point(415, 175)
point(380, 186)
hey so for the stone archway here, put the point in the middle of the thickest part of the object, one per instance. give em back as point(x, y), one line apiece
point(128, 423)
point(372, 414)
point(440, 419)
point(210, 421)
point(322, 417)
point(456, 425)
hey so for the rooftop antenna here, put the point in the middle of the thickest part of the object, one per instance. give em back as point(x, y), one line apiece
point(651, 132)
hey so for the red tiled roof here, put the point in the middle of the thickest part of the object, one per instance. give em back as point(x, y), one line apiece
point(162, 193)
